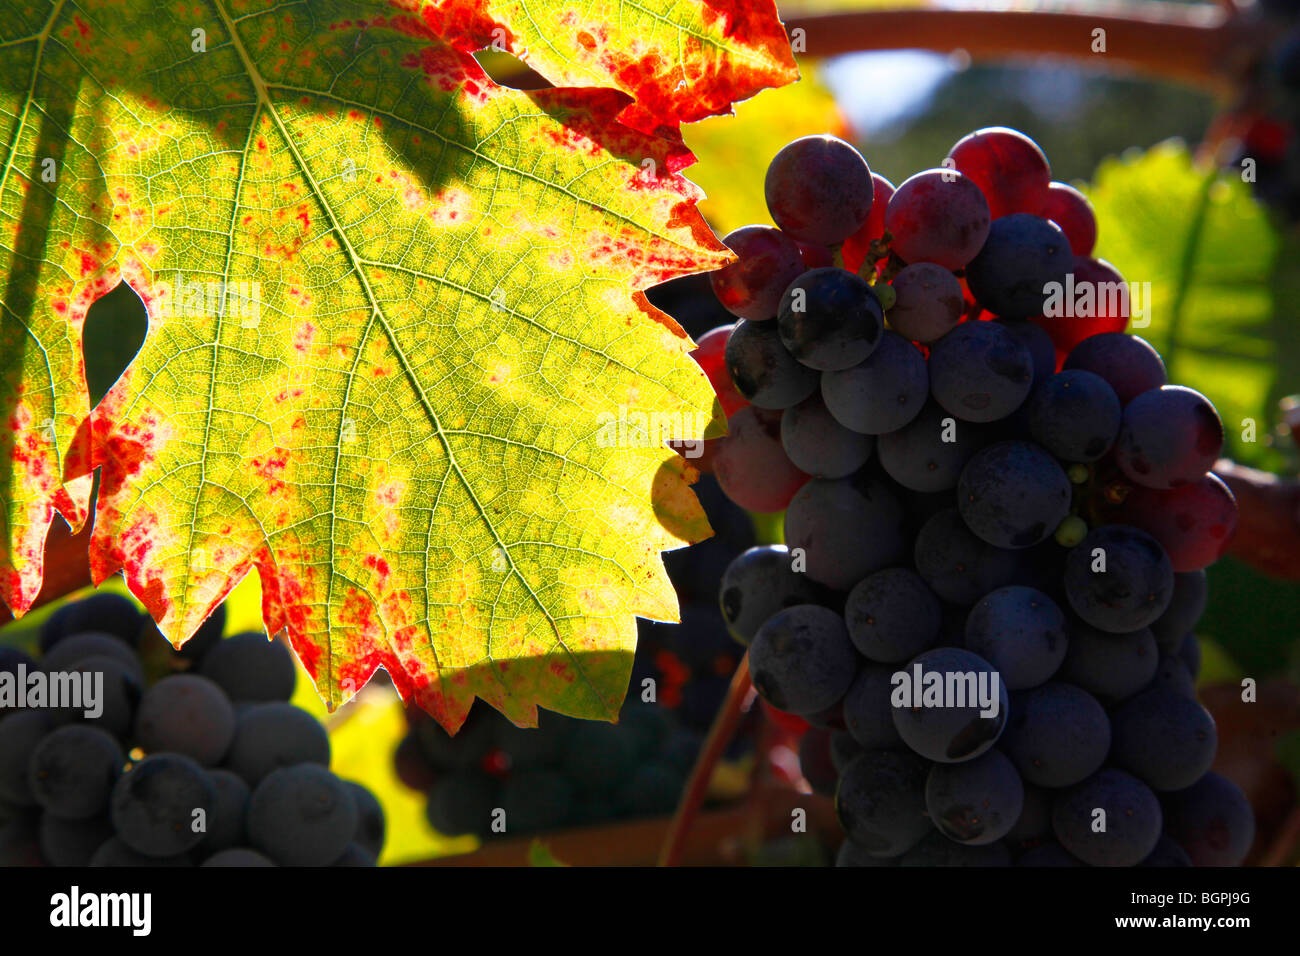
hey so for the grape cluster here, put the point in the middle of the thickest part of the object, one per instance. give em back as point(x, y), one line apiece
point(997, 519)
point(495, 780)
point(197, 757)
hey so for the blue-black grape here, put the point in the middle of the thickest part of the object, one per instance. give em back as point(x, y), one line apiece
point(187, 714)
point(928, 454)
point(829, 319)
point(66, 842)
point(1111, 667)
point(801, 660)
point(248, 666)
point(118, 701)
point(1167, 853)
point(302, 816)
point(462, 802)
point(844, 748)
point(20, 734)
point(239, 856)
point(73, 770)
point(880, 394)
point(868, 714)
point(928, 302)
point(975, 802)
point(1119, 579)
point(880, 802)
point(1127, 362)
point(153, 806)
point(958, 566)
point(226, 821)
point(1023, 255)
point(937, 850)
point(1075, 415)
point(1021, 632)
point(819, 444)
point(1171, 436)
point(1186, 605)
point(77, 647)
point(115, 852)
point(762, 368)
point(1035, 821)
point(953, 707)
point(104, 612)
point(847, 528)
point(1057, 735)
point(758, 583)
point(1132, 819)
point(979, 372)
point(1039, 345)
point(1163, 738)
point(273, 735)
point(1189, 652)
point(1211, 820)
point(892, 615)
point(1172, 674)
point(1013, 494)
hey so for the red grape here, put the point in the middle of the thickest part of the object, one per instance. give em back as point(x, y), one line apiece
point(751, 465)
point(711, 355)
point(938, 216)
point(1128, 362)
point(768, 261)
point(1070, 209)
point(1193, 523)
point(1007, 166)
point(857, 246)
point(1109, 312)
point(818, 189)
point(816, 256)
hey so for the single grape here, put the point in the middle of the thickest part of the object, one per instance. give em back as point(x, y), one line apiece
point(1211, 820)
point(711, 355)
point(116, 705)
point(818, 444)
point(1075, 415)
point(1163, 738)
point(758, 583)
point(104, 613)
point(1024, 259)
point(929, 302)
point(1013, 494)
point(844, 747)
point(892, 616)
point(273, 735)
point(1127, 362)
point(767, 260)
point(976, 802)
point(1132, 819)
point(1189, 652)
point(1057, 735)
point(66, 842)
point(979, 372)
point(762, 368)
point(1039, 345)
point(830, 319)
point(1193, 523)
point(226, 822)
point(751, 464)
point(958, 709)
point(302, 816)
point(1191, 594)
point(154, 806)
point(801, 660)
point(1070, 209)
point(1171, 436)
point(857, 247)
point(248, 666)
point(1172, 674)
point(880, 802)
point(187, 714)
point(1167, 853)
point(1112, 667)
point(74, 648)
point(937, 850)
point(1008, 167)
point(867, 713)
point(847, 527)
point(938, 216)
point(958, 566)
point(1021, 632)
point(1119, 579)
point(883, 392)
point(818, 189)
point(20, 735)
point(929, 452)
point(72, 771)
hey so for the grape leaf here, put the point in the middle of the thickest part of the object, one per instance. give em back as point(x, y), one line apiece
point(395, 360)
point(680, 62)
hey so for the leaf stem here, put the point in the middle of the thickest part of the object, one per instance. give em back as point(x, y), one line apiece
point(720, 734)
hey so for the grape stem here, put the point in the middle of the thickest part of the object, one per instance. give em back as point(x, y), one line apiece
point(1195, 44)
point(720, 734)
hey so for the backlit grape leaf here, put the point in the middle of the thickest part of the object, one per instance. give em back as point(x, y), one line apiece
point(1208, 251)
point(395, 359)
point(680, 62)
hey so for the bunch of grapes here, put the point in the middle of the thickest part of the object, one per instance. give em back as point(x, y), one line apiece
point(195, 758)
point(997, 518)
point(495, 780)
